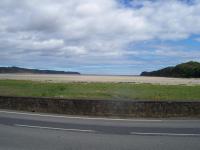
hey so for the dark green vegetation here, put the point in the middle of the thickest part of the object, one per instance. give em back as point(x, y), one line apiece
point(104, 91)
point(186, 70)
point(24, 70)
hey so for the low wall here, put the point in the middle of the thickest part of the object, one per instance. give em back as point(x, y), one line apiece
point(102, 107)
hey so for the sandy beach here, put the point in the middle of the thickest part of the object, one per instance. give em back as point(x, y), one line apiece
point(95, 78)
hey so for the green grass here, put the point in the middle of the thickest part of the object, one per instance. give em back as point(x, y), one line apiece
point(108, 91)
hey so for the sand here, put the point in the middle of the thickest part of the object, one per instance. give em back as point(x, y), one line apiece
point(95, 78)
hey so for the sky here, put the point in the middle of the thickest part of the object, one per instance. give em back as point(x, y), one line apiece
point(119, 37)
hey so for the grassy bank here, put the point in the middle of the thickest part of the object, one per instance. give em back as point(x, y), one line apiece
point(112, 91)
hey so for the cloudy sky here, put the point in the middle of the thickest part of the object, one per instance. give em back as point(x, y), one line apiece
point(99, 36)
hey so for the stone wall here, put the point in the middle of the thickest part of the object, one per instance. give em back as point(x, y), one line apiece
point(102, 107)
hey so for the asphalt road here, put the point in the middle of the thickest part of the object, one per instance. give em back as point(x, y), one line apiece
point(29, 131)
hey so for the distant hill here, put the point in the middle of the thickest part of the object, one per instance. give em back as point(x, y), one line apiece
point(185, 70)
point(34, 71)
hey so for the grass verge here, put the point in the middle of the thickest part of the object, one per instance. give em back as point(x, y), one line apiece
point(107, 91)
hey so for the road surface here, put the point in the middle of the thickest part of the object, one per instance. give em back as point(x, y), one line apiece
point(31, 131)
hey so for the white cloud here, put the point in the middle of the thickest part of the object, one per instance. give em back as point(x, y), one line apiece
point(178, 53)
point(91, 28)
point(49, 44)
point(73, 50)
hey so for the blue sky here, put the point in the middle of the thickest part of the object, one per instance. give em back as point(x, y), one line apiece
point(99, 36)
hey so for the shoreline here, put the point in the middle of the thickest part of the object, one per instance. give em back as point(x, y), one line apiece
point(60, 78)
